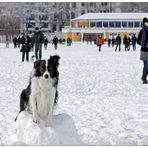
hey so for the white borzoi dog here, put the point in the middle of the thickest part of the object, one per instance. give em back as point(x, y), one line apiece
point(41, 94)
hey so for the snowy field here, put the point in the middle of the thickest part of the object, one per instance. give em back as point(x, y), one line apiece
point(101, 92)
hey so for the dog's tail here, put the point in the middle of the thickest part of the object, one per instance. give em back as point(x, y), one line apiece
point(23, 101)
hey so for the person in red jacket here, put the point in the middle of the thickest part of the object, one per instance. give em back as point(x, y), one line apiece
point(99, 41)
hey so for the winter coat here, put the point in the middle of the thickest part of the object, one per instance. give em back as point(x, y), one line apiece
point(15, 40)
point(118, 40)
point(125, 41)
point(128, 40)
point(134, 40)
point(145, 46)
point(46, 41)
point(19, 40)
point(55, 40)
point(99, 41)
point(26, 44)
point(38, 37)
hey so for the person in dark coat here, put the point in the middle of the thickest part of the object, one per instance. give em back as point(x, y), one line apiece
point(15, 42)
point(32, 43)
point(38, 39)
point(125, 42)
point(113, 42)
point(128, 43)
point(45, 42)
point(118, 42)
point(134, 40)
point(69, 41)
point(109, 42)
point(19, 41)
point(143, 41)
point(26, 46)
point(55, 42)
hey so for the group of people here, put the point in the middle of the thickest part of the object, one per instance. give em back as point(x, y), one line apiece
point(127, 41)
point(35, 42)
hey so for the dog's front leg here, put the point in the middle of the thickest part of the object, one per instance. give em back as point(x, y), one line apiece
point(33, 104)
point(50, 113)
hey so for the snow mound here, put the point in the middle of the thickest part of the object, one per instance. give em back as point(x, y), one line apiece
point(25, 132)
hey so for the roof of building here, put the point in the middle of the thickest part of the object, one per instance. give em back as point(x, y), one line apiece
point(115, 16)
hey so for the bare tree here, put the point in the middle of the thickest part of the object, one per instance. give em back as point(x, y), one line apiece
point(9, 25)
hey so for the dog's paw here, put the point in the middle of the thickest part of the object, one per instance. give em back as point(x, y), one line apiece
point(35, 119)
point(48, 124)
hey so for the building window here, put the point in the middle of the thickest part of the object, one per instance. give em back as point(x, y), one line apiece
point(73, 5)
point(45, 25)
point(90, 4)
point(105, 24)
point(117, 24)
point(111, 24)
point(137, 24)
point(54, 27)
point(32, 17)
point(83, 11)
point(82, 4)
point(130, 24)
point(124, 24)
point(99, 24)
point(72, 15)
point(92, 24)
point(104, 4)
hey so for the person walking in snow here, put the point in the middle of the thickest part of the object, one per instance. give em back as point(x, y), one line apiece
point(55, 42)
point(69, 41)
point(38, 39)
point(113, 41)
point(134, 40)
point(109, 42)
point(118, 42)
point(19, 41)
point(45, 43)
point(26, 46)
point(99, 42)
point(125, 42)
point(143, 41)
point(128, 43)
point(15, 42)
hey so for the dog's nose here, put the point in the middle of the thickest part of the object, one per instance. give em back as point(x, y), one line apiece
point(46, 76)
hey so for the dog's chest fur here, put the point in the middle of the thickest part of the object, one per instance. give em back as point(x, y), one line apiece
point(44, 92)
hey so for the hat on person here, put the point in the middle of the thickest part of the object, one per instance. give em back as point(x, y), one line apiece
point(145, 20)
point(36, 28)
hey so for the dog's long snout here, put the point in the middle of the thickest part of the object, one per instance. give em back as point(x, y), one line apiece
point(46, 76)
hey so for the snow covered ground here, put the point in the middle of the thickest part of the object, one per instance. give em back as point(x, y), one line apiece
point(100, 93)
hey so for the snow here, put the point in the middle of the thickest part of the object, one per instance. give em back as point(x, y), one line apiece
point(102, 100)
point(25, 132)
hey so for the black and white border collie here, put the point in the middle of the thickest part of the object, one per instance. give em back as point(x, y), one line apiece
point(41, 94)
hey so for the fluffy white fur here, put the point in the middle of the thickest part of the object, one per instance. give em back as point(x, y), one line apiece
point(41, 99)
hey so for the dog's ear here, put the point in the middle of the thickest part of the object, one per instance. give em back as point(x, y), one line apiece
point(55, 59)
point(36, 64)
